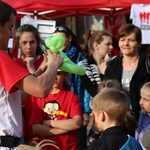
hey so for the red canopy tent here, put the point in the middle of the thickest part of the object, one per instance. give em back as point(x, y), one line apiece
point(51, 9)
point(56, 8)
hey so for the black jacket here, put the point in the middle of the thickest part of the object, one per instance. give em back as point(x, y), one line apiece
point(114, 71)
point(92, 77)
point(112, 138)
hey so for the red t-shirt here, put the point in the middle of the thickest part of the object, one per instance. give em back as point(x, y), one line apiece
point(11, 72)
point(62, 105)
point(10, 98)
point(37, 63)
point(27, 105)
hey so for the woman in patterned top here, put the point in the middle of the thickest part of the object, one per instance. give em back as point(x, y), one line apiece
point(100, 48)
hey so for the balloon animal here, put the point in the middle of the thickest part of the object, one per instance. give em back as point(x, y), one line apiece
point(54, 43)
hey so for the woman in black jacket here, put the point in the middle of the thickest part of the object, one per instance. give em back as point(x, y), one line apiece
point(129, 69)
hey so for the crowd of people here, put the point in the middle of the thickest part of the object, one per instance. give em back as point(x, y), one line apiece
point(45, 108)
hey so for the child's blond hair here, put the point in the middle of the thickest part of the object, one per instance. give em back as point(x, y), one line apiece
point(38, 146)
point(113, 102)
point(146, 86)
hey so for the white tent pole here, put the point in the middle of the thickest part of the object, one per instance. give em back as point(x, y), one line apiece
point(35, 15)
point(24, 13)
point(46, 12)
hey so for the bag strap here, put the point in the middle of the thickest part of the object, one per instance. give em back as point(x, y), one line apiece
point(147, 63)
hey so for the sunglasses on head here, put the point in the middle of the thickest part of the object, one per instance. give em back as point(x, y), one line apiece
point(62, 29)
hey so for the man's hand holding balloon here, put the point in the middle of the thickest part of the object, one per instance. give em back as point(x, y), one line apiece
point(54, 43)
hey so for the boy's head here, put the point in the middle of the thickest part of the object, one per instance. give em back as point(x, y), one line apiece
point(145, 98)
point(109, 105)
point(110, 83)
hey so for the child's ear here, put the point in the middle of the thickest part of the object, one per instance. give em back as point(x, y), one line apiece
point(102, 116)
point(95, 122)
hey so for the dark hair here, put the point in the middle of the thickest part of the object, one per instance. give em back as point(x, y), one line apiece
point(68, 33)
point(129, 124)
point(86, 36)
point(66, 85)
point(129, 28)
point(52, 102)
point(5, 12)
point(32, 29)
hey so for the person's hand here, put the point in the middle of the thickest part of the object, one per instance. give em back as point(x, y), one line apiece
point(43, 64)
point(29, 61)
point(54, 58)
point(86, 119)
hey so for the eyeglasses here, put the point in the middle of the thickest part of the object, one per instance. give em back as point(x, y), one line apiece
point(62, 29)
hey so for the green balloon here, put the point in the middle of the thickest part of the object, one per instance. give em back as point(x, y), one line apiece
point(55, 42)
point(47, 41)
point(70, 66)
point(53, 49)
